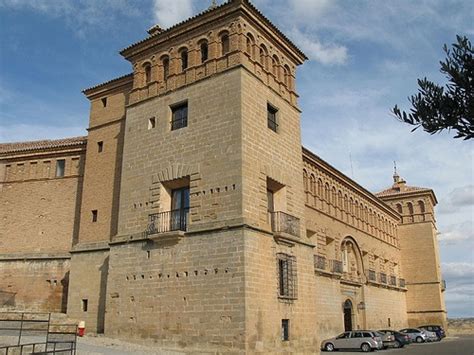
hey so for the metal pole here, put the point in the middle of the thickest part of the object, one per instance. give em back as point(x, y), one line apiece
point(21, 328)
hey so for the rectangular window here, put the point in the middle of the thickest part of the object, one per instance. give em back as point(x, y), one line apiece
point(287, 286)
point(272, 117)
point(179, 116)
point(285, 329)
point(85, 305)
point(100, 146)
point(60, 167)
point(94, 215)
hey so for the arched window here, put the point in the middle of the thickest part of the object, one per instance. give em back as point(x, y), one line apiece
point(287, 76)
point(313, 185)
point(339, 200)
point(320, 188)
point(399, 208)
point(147, 69)
point(276, 67)
point(225, 44)
point(263, 56)
point(165, 61)
point(204, 51)
point(184, 59)
point(334, 196)
point(410, 208)
point(305, 180)
point(250, 44)
point(421, 206)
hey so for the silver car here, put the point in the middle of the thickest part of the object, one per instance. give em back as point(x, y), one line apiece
point(431, 336)
point(416, 335)
point(365, 340)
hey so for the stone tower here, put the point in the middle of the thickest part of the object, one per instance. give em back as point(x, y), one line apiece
point(186, 225)
point(419, 251)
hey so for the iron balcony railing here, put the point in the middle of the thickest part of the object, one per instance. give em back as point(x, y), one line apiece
point(383, 278)
point(372, 276)
point(336, 266)
point(393, 280)
point(319, 262)
point(284, 223)
point(169, 221)
point(401, 282)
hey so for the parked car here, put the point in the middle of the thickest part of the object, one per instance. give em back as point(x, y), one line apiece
point(435, 328)
point(400, 339)
point(388, 340)
point(365, 340)
point(416, 335)
point(432, 336)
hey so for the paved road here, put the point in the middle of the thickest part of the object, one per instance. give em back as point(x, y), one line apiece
point(461, 345)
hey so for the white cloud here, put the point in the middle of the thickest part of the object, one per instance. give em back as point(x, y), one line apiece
point(311, 9)
point(458, 271)
point(81, 15)
point(168, 13)
point(456, 233)
point(328, 54)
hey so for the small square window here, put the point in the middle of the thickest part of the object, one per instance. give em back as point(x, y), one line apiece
point(151, 123)
point(60, 167)
point(285, 329)
point(94, 215)
point(179, 116)
point(100, 146)
point(272, 117)
point(85, 305)
point(104, 102)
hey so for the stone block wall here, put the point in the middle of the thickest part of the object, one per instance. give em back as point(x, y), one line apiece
point(183, 294)
point(38, 214)
point(208, 151)
point(88, 285)
point(34, 283)
point(265, 308)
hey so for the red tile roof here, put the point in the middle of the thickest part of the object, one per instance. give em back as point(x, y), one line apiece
point(396, 190)
point(42, 144)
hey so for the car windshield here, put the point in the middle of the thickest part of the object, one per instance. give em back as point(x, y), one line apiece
point(380, 334)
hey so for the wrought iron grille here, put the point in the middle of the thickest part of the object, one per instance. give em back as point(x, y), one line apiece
point(383, 278)
point(179, 118)
point(169, 221)
point(285, 223)
point(287, 276)
point(336, 266)
point(401, 282)
point(443, 285)
point(372, 276)
point(393, 280)
point(320, 262)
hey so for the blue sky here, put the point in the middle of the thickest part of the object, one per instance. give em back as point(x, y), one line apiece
point(365, 57)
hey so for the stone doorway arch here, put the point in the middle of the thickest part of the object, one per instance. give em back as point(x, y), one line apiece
point(348, 315)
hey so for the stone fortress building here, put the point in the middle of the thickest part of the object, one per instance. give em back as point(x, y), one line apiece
point(191, 215)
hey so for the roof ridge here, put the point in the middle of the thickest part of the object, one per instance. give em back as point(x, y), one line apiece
point(22, 146)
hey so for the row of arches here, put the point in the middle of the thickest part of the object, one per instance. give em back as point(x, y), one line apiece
point(183, 57)
point(325, 196)
point(408, 211)
point(269, 63)
point(204, 48)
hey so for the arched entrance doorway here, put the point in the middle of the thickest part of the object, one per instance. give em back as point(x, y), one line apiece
point(347, 316)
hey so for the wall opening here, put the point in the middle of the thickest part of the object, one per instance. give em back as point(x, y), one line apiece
point(85, 304)
point(285, 329)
